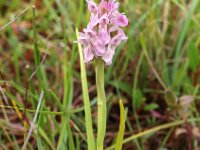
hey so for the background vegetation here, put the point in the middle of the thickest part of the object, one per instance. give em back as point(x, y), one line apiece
point(156, 74)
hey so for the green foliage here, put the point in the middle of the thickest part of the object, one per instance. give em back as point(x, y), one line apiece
point(151, 106)
point(120, 136)
point(138, 99)
point(193, 56)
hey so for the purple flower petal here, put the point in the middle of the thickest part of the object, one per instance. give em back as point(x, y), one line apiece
point(120, 20)
point(108, 56)
point(88, 53)
point(104, 37)
point(111, 6)
point(116, 40)
point(104, 20)
point(99, 49)
point(83, 39)
point(123, 36)
point(94, 20)
point(113, 28)
point(92, 6)
point(90, 33)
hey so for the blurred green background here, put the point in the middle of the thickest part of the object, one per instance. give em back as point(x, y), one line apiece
point(156, 73)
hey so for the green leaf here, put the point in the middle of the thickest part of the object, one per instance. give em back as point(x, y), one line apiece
point(118, 145)
point(193, 55)
point(151, 106)
point(123, 86)
point(138, 98)
point(170, 99)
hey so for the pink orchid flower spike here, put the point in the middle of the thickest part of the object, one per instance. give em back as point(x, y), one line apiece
point(104, 31)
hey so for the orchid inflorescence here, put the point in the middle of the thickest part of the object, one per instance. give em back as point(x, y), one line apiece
point(103, 33)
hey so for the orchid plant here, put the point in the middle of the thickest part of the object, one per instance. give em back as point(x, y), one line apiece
point(100, 39)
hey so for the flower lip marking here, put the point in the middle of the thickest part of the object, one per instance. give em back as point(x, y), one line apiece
point(122, 20)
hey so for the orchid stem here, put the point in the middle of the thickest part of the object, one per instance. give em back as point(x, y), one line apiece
point(101, 129)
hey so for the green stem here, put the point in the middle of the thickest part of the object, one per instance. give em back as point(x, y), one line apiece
point(36, 51)
point(101, 129)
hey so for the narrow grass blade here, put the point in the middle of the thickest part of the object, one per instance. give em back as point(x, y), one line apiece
point(120, 136)
point(34, 120)
point(183, 34)
point(46, 138)
point(88, 116)
point(36, 51)
point(1, 102)
point(63, 134)
point(13, 20)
